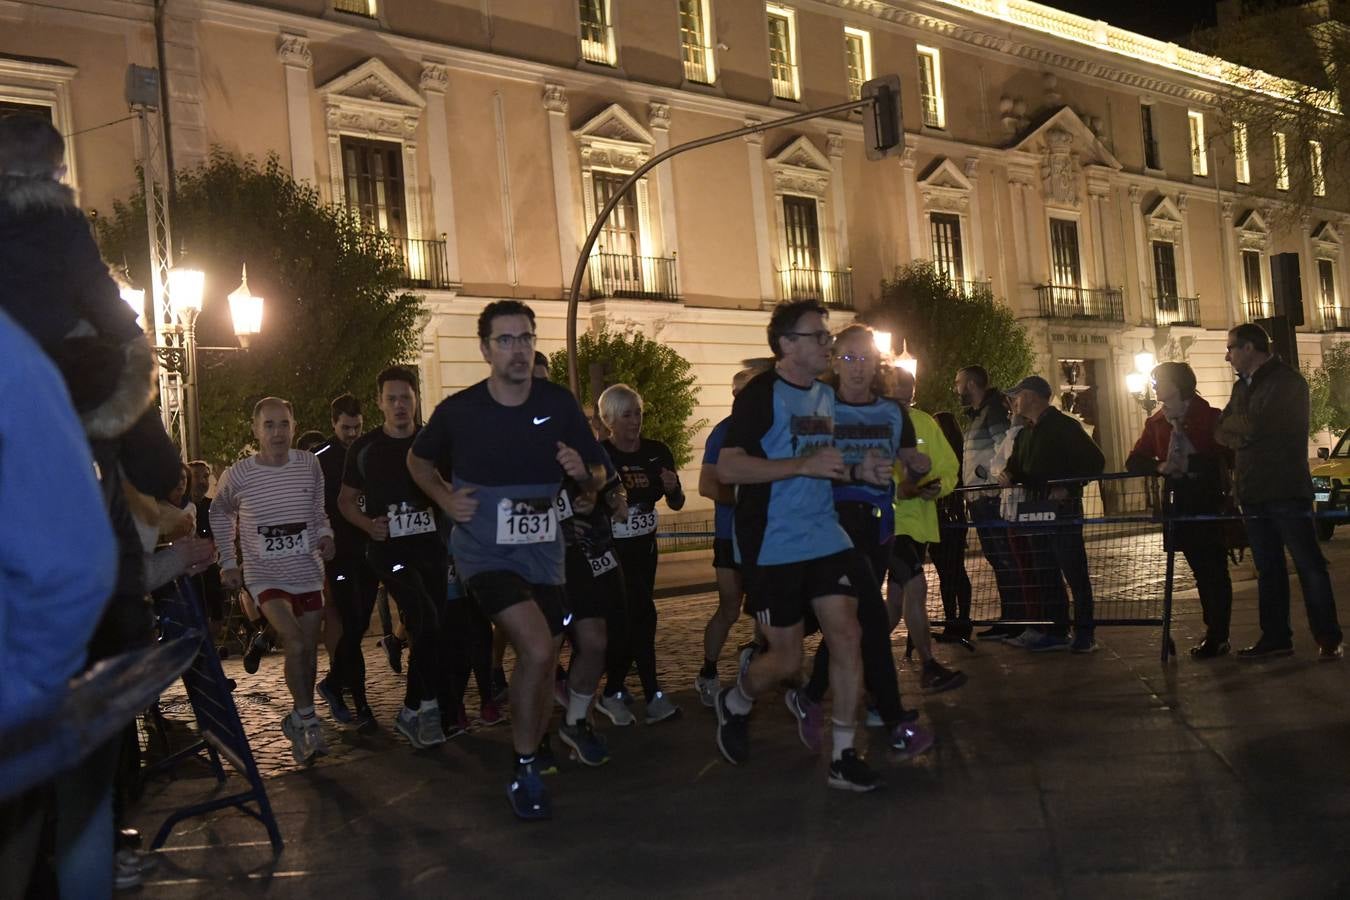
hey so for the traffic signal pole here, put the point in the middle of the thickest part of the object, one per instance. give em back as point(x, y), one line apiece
point(881, 129)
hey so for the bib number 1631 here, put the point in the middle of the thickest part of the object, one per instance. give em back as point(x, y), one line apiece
point(517, 525)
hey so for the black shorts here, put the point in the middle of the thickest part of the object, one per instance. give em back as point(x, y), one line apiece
point(907, 556)
point(781, 595)
point(724, 555)
point(495, 592)
point(592, 596)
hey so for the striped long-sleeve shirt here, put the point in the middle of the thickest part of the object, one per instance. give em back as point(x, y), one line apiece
point(277, 512)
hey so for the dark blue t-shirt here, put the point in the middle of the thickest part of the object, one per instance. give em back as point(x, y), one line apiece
point(880, 426)
point(508, 454)
point(723, 513)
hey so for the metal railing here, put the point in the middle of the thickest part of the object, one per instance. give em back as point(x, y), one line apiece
point(638, 277)
point(1258, 308)
point(1070, 302)
point(1336, 318)
point(425, 264)
point(697, 69)
point(355, 7)
point(1168, 310)
point(597, 43)
point(971, 287)
point(834, 289)
point(784, 77)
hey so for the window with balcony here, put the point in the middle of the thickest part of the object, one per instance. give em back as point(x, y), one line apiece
point(1335, 316)
point(1315, 172)
point(617, 267)
point(367, 8)
point(1253, 291)
point(930, 88)
point(373, 174)
point(945, 231)
point(1281, 162)
point(1169, 307)
point(1151, 159)
point(1066, 297)
point(1199, 153)
point(696, 45)
point(857, 60)
point(597, 32)
point(783, 52)
point(1241, 159)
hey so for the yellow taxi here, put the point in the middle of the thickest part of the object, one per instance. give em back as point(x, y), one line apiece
point(1331, 485)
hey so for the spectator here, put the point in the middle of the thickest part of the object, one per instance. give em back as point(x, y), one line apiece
point(1178, 443)
point(987, 410)
point(1053, 446)
point(949, 554)
point(1266, 425)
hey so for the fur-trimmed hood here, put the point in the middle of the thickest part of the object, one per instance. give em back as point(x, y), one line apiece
point(20, 196)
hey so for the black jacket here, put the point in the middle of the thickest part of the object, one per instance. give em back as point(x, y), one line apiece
point(1055, 447)
point(1266, 426)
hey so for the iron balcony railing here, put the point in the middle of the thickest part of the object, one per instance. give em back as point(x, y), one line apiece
point(1336, 318)
point(636, 277)
point(971, 287)
point(834, 289)
point(1169, 310)
point(696, 67)
point(597, 43)
point(1257, 308)
point(425, 264)
point(1070, 302)
point(355, 7)
point(784, 76)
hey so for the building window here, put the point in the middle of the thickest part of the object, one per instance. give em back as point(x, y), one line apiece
point(945, 230)
point(367, 8)
point(621, 234)
point(783, 52)
point(1199, 157)
point(372, 172)
point(1241, 161)
point(857, 60)
point(1066, 267)
point(802, 232)
point(1150, 141)
point(930, 88)
point(25, 109)
point(1326, 283)
point(597, 32)
point(1281, 162)
point(696, 44)
point(1319, 180)
point(1165, 274)
point(1252, 292)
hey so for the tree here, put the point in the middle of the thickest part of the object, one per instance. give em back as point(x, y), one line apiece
point(946, 329)
point(336, 312)
point(1329, 386)
point(663, 378)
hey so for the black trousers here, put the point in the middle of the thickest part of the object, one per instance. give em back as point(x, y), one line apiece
point(416, 577)
point(353, 585)
point(631, 625)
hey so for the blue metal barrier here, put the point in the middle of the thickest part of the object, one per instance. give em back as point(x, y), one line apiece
point(221, 734)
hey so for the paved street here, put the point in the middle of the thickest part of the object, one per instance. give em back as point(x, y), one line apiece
point(1053, 776)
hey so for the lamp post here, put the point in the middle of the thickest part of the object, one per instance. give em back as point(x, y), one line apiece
point(1140, 382)
point(907, 361)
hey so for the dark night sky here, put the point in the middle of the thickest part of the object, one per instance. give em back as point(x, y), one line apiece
point(1168, 20)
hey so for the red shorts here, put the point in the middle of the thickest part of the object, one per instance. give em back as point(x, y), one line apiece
point(310, 601)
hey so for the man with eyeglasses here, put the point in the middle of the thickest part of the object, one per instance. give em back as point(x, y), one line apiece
point(506, 444)
point(795, 556)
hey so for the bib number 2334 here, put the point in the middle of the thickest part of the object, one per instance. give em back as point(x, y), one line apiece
point(526, 523)
point(281, 541)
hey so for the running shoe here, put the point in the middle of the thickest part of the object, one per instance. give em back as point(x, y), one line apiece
point(333, 697)
point(707, 690)
point(908, 740)
point(130, 868)
point(501, 688)
point(810, 718)
point(527, 794)
point(253, 655)
point(301, 749)
point(747, 653)
point(659, 709)
point(1049, 643)
point(936, 678)
point(489, 714)
point(429, 729)
point(733, 731)
point(393, 651)
point(406, 723)
point(588, 746)
point(365, 720)
point(545, 761)
point(314, 737)
point(995, 633)
point(873, 718)
point(616, 709)
point(1024, 640)
point(850, 773)
point(1083, 643)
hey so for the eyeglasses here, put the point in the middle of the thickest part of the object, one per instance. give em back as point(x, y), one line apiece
point(854, 358)
point(508, 341)
point(823, 338)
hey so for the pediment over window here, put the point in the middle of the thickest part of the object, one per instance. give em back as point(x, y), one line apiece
point(1253, 231)
point(375, 81)
point(800, 168)
point(1164, 220)
point(945, 187)
point(371, 99)
point(613, 139)
point(1064, 129)
point(1327, 233)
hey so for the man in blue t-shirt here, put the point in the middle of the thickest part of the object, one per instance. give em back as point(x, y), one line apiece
point(506, 444)
point(779, 452)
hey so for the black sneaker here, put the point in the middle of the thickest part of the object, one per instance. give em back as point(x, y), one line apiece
point(733, 732)
point(937, 678)
point(336, 705)
point(253, 655)
point(528, 796)
point(365, 720)
point(544, 760)
point(1209, 648)
point(1264, 649)
point(850, 773)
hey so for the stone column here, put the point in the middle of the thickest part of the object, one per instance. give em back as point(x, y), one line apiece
point(1183, 201)
point(296, 61)
point(907, 163)
point(658, 119)
point(838, 202)
point(1233, 271)
point(555, 101)
point(434, 81)
point(976, 227)
point(754, 149)
point(1141, 255)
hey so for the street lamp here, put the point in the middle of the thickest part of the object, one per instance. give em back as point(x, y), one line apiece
point(246, 311)
point(1140, 382)
point(882, 340)
point(134, 298)
point(906, 361)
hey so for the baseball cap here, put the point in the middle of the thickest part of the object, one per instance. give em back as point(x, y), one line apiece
point(1034, 383)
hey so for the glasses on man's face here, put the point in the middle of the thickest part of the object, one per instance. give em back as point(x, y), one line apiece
point(524, 341)
point(855, 358)
point(822, 337)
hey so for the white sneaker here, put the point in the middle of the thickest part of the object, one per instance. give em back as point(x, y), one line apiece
point(659, 709)
point(1024, 640)
point(405, 723)
point(707, 688)
point(616, 709)
point(314, 737)
point(302, 749)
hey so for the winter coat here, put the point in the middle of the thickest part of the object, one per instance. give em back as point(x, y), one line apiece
point(1266, 425)
point(1054, 447)
point(1200, 490)
point(915, 516)
point(988, 423)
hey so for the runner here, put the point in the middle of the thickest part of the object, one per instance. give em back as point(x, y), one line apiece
point(648, 472)
point(794, 554)
point(351, 583)
point(273, 503)
point(405, 551)
point(506, 443)
point(864, 422)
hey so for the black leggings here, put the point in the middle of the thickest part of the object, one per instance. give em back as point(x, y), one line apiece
point(472, 631)
point(949, 558)
point(353, 586)
point(631, 625)
point(416, 578)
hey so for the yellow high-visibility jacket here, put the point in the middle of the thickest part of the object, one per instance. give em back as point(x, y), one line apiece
point(915, 516)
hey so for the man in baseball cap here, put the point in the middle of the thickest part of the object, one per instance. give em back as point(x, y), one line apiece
point(1034, 383)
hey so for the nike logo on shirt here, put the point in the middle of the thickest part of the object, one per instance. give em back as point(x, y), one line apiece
point(539, 421)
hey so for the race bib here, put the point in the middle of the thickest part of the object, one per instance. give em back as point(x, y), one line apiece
point(526, 522)
point(603, 564)
point(282, 541)
point(638, 524)
point(564, 506)
point(418, 521)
